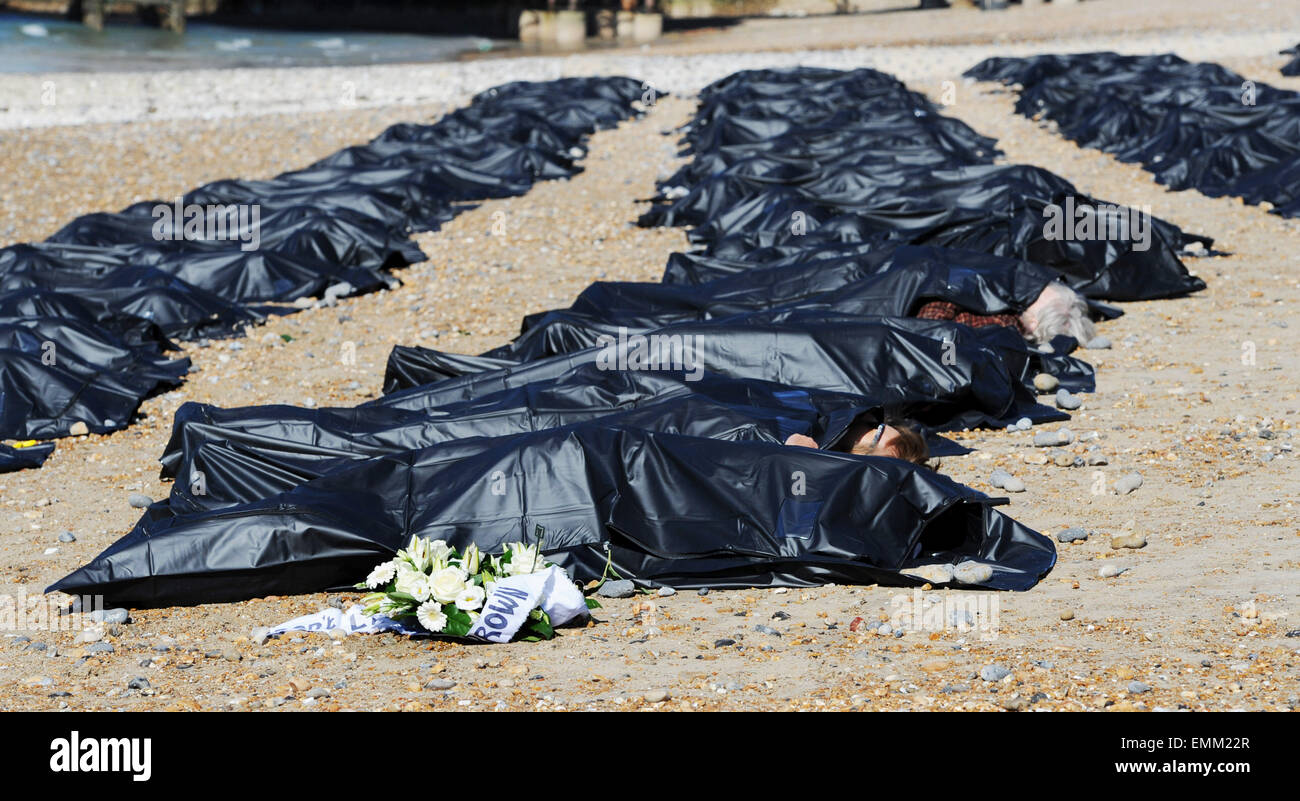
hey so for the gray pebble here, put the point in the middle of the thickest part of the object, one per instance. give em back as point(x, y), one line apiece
point(1004, 480)
point(67, 536)
point(139, 500)
point(1137, 687)
point(1045, 382)
point(994, 673)
point(439, 684)
point(621, 588)
point(318, 692)
point(768, 630)
point(1052, 439)
point(1098, 343)
point(724, 642)
point(666, 592)
point(972, 572)
point(1065, 400)
point(1128, 483)
point(702, 591)
point(1073, 534)
point(138, 683)
point(656, 696)
point(117, 615)
point(100, 648)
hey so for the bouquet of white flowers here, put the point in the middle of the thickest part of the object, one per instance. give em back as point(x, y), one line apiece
point(446, 590)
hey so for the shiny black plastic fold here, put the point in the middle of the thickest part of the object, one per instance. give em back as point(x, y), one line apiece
point(86, 316)
point(1193, 125)
point(672, 509)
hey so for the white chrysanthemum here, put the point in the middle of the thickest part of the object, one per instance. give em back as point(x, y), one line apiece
point(416, 585)
point(448, 584)
point(381, 575)
point(431, 616)
point(472, 559)
point(470, 599)
point(524, 559)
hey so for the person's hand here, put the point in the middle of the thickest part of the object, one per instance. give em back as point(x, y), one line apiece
point(801, 441)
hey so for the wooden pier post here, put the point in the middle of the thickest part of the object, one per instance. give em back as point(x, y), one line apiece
point(173, 17)
point(92, 14)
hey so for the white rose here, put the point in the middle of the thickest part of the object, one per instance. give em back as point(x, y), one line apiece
point(447, 585)
point(471, 598)
point(381, 575)
point(416, 585)
point(431, 616)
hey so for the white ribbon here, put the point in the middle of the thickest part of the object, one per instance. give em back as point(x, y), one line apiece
point(506, 609)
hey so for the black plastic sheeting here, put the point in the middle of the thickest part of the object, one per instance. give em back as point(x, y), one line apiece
point(882, 283)
point(676, 471)
point(679, 471)
point(87, 317)
point(1193, 125)
point(22, 458)
point(795, 165)
point(1292, 67)
point(672, 509)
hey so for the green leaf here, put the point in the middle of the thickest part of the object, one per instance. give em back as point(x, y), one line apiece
point(592, 603)
point(539, 628)
point(286, 337)
point(458, 621)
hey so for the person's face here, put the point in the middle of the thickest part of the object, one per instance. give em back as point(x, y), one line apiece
point(886, 446)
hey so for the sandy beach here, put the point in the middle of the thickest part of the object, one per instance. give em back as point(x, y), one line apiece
point(1205, 616)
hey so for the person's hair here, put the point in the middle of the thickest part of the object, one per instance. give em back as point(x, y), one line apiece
point(1064, 311)
point(910, 442)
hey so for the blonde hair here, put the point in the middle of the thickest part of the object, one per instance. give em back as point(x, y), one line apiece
point(1063, 311)
point(910, 444)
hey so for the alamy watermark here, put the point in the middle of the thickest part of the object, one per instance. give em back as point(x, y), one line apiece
point(650, 352)
point(1097, 222)
point(22, 612)
point(214, 222)
point(963, 612)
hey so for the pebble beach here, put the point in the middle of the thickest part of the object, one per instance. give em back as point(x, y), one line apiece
point(1179, 593)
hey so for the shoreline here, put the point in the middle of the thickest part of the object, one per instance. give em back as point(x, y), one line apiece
point(209, 94)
